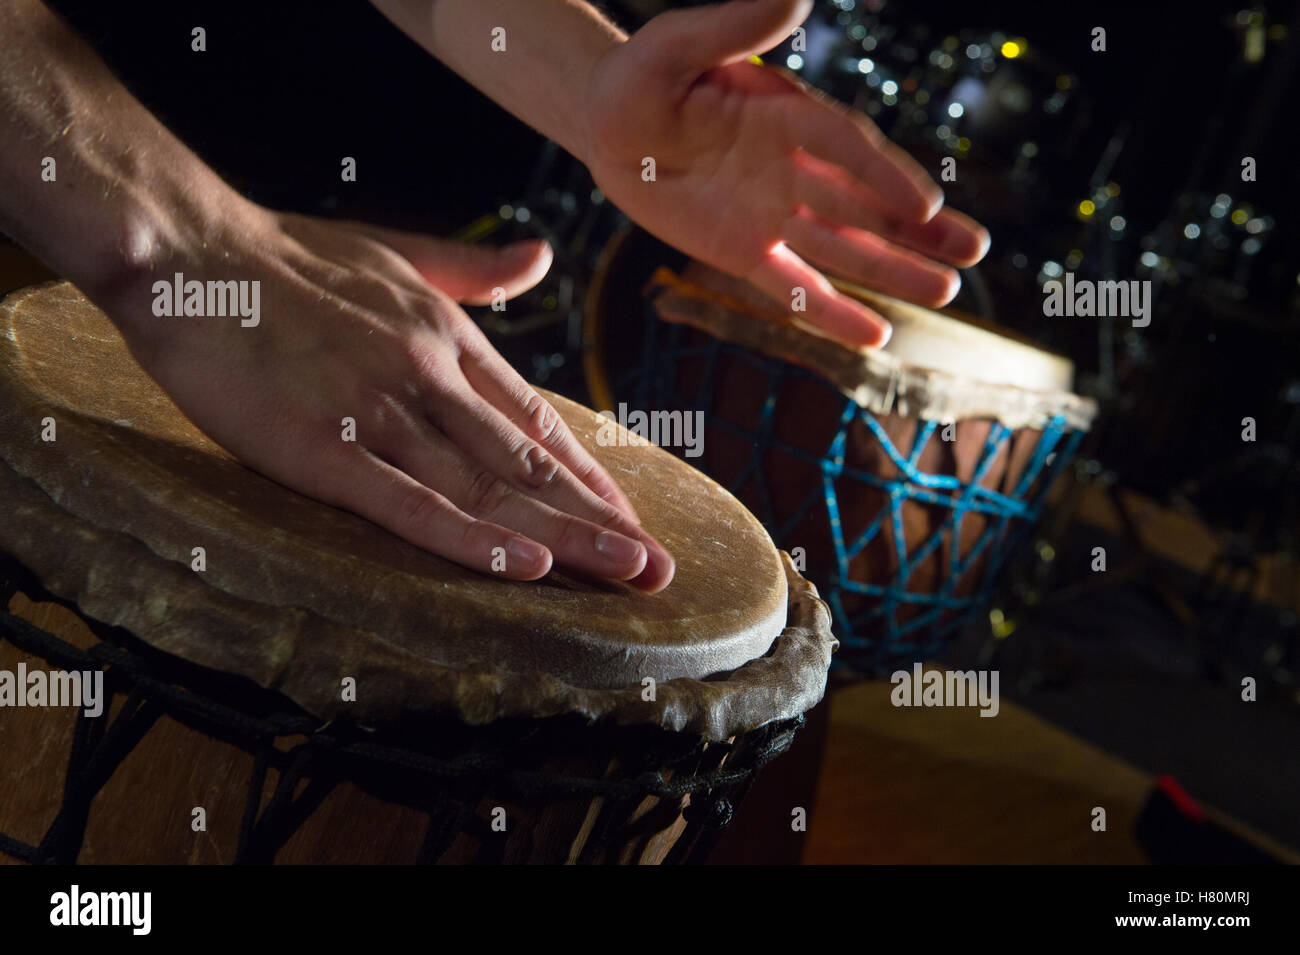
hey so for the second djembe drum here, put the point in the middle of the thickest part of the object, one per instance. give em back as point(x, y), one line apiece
point(902, 478)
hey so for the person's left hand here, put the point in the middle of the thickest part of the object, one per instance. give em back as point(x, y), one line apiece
point(759, 175)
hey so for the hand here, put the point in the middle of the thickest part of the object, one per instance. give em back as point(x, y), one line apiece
point(761, 176)
point(454, 451)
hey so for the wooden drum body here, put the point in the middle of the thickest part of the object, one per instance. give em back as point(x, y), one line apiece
point(903, 478)
point(321, 691)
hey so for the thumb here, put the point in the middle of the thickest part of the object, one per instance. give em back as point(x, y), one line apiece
point(699, 39)
point(468, 273)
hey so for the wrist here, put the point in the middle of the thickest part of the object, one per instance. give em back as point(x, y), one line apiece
point(90, 182)
point(150, 224)
point(535, 59)
point(587, 89)
point(203, 232)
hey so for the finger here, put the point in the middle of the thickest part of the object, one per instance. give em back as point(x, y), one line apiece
point(581, 545)
point(475, 424)
point(469, 417)
point(839, 135)
point(782, 271)
point(869, 260)
point(492, 377)
point(468, 273)
point(397, 502)
point(834, 194)
point(690, 42)
point(604, 502)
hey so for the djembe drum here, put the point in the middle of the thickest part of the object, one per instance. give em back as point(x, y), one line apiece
point(902, 478)
point(555, 721)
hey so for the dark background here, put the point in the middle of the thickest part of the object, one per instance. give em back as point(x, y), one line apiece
point(288, 87)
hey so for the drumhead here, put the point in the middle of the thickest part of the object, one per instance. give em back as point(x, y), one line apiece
point(941, 366)
point(297, 595)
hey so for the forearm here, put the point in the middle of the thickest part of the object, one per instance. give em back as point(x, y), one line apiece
point(543, 74)
point(124, 191)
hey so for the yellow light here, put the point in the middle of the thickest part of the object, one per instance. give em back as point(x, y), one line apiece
point(1000, 625)
point(1239, 216)
point(1087, 208)
point(963, 144)
point(1112, 189)
point(1063, 83)
point(1011, 49)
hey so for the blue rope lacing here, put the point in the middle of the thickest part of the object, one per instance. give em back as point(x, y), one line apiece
point(874, 639)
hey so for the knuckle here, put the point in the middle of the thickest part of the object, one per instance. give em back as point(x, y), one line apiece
point(420, 507)
point(428, 364)
point(441, 314)
point(380, 294)
point(610, 517)
point(534, 468)
point(543, 420)
point(486, 494)
point(382, 411)
point(586, 470)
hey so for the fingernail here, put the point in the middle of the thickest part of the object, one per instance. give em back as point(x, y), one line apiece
point(619, 549)
point(659, 569)
point(886, 333)
point(937, 200)
point(527, 555)
point(953, 286)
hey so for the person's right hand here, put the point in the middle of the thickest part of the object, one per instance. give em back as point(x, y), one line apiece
point(454, 451)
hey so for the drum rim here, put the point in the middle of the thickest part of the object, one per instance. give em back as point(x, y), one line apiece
point(786, 682)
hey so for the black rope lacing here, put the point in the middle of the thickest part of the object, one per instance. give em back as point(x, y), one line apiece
point(447, 787)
